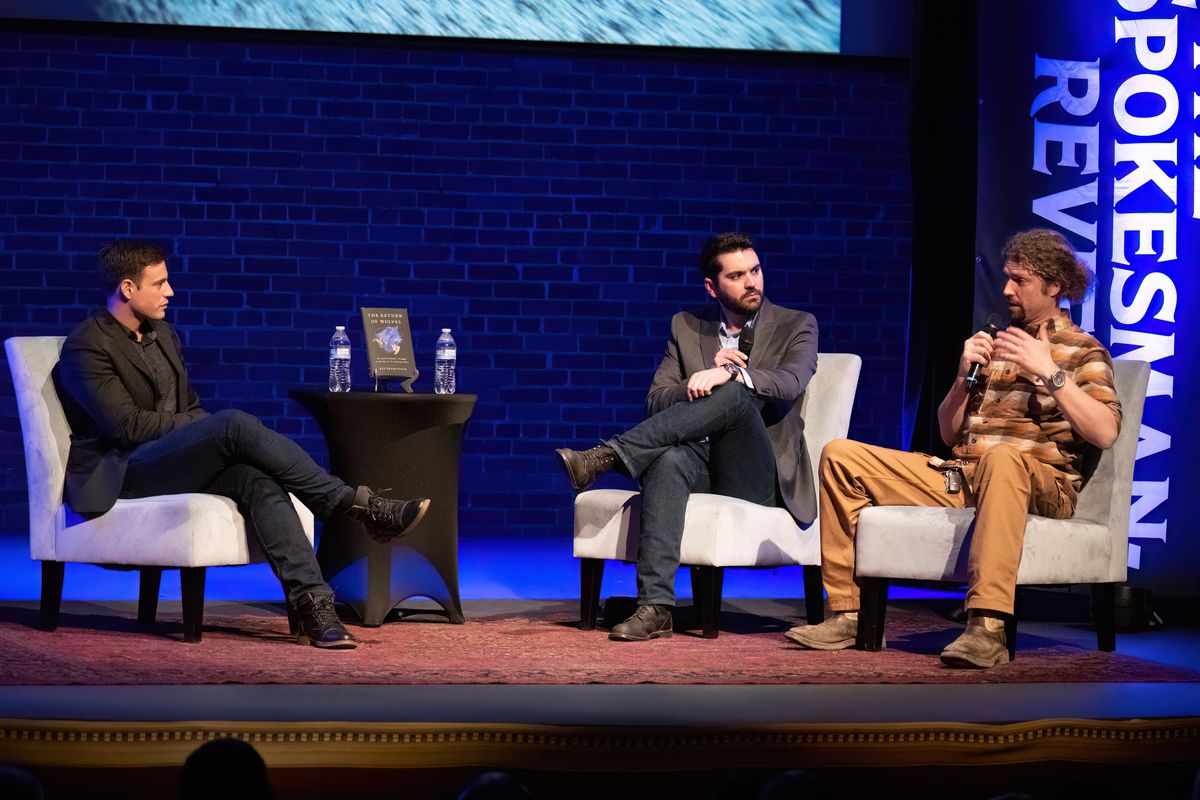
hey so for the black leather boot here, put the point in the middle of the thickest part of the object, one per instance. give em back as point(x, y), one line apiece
point(318, 623)
point(648, 622)
point(385, 518)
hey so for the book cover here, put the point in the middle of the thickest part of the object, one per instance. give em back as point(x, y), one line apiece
point(389, 343)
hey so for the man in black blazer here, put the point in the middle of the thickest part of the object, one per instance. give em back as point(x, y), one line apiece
point(719, 421)
point(138, 430)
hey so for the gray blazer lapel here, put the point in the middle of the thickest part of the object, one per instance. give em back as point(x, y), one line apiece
point(710, 342)
point(764, 329)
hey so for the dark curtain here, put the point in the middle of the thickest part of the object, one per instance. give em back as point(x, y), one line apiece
point(944, 128)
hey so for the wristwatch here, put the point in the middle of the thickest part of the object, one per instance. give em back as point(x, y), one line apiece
point(732, 370)
point(1057, 380)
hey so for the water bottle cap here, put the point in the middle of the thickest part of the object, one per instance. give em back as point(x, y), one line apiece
point(339, 328)
point(445, 330)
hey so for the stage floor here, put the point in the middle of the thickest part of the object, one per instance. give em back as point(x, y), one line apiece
point(125, 740)
point(558, 735)
point(641, 704)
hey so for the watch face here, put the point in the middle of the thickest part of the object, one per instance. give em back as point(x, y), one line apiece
point(1058, 379)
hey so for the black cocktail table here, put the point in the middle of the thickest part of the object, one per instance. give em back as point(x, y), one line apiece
point(412, 444)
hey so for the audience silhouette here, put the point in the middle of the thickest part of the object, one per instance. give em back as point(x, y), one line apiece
point(225, 769)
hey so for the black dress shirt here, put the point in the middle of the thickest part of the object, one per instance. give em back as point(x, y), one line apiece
point(163, 373)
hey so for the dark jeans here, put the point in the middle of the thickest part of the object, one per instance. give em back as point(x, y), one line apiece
point(233, 455)
point(669, 455)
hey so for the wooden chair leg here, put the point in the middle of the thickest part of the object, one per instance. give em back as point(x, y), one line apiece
point(1010, 625)
point(814, 595)
point(1104, 612)
point(871, 614)
point(191, 587)
point(52, 585)
point(591, 574)
point(699, 601)
point(707, 585)
point(148, 588)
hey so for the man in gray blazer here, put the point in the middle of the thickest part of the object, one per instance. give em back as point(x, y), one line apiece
point(137, 429)
point(722, 418)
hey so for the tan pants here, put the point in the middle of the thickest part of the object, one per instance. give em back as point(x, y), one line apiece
point(1006, 485)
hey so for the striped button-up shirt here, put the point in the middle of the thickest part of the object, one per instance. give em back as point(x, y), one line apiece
point(1015, 408)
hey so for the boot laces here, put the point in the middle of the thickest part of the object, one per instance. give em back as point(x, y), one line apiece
point(323, 612)
point(382, 509)
point(600, 457)
point(646, 613)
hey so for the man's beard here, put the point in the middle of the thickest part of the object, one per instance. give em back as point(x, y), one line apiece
point(745, 305)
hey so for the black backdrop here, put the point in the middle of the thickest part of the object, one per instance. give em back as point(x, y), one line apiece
point(944, 115)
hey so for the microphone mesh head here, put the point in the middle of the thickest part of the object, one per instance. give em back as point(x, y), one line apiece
point(992, 326)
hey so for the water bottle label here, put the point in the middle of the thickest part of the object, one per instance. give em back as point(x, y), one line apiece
point(339, 352)
point(447, 352)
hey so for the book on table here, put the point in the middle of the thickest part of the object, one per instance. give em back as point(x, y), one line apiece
point(388, 339)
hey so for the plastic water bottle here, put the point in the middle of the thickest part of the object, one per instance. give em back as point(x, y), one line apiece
point(339, 361)
point(444, 364)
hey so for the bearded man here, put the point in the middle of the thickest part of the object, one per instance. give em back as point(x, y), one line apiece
point(721, 418)
point(1019, 416)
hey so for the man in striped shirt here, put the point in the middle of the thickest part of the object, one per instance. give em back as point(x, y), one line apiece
point(1044, 395)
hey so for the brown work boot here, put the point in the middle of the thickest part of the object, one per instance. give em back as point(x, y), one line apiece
point(981, 646)
point(584, 466)
point(836, 633)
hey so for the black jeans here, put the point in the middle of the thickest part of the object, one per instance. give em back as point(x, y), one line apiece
point(232, 454)
point(712, 444)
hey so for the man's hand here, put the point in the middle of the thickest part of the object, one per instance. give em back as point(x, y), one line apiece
point(702, 383)
point(730, 355)
point(976, 350)
point(1031, 354)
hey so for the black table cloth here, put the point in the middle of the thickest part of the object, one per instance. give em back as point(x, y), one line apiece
point(410, 444)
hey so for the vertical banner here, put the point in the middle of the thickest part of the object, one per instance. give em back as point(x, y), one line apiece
point(1090, 124)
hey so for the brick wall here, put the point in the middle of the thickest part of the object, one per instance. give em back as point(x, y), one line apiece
point(547, 205)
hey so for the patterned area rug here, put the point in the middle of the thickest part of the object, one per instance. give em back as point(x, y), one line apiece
point(539, 644)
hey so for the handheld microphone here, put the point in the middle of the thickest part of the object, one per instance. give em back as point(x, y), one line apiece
point(746, 342)
point(991, 330)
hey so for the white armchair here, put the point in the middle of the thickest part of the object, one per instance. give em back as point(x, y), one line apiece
point(931, 544)
point(188, 532)
point(723, 531)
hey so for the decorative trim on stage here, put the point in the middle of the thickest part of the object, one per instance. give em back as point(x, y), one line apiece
point(58, 743)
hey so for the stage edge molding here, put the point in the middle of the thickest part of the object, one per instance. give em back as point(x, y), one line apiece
point(59, 743)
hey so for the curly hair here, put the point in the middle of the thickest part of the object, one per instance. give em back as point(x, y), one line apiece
point(1049, 255)
point(124, 259)
point(719, 245)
